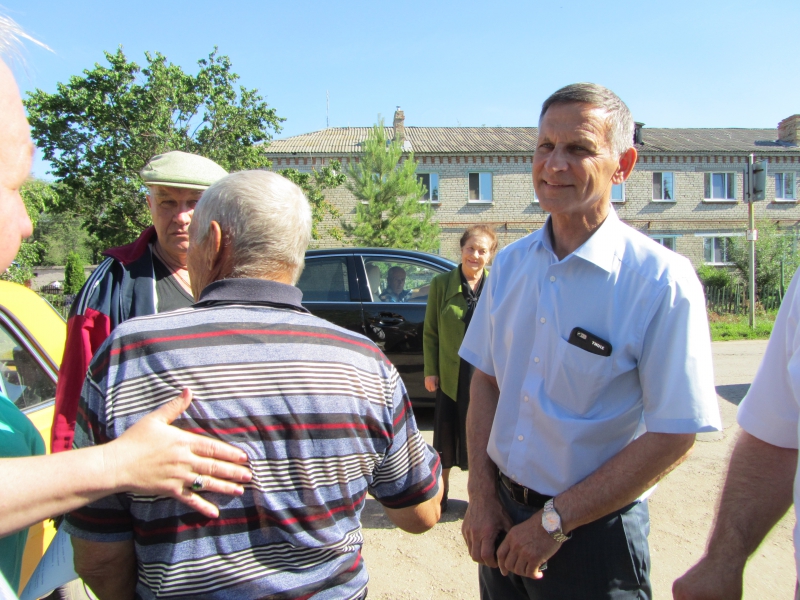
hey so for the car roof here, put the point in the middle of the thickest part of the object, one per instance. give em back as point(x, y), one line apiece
point(36, 317)
point(396, 252)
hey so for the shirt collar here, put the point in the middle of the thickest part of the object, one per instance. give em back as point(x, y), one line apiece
point(252, 290)
point(600, 249)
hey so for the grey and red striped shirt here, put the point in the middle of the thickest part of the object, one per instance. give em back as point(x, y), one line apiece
point(319, 410)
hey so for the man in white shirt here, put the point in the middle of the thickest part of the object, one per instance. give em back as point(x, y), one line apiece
point(593, 376)
point(763, 469)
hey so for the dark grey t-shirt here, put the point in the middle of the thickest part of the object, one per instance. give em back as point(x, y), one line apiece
point(169, 292)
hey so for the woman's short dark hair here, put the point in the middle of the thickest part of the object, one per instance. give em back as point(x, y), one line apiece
point(480, 229)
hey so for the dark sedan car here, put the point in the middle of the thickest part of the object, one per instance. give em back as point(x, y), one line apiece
point(381, 293)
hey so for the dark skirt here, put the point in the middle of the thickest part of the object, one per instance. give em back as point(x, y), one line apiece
point(450, 422)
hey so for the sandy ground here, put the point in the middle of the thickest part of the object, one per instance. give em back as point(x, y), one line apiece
point(436, 565)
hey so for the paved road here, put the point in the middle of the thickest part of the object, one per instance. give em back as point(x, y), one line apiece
point(436, 565)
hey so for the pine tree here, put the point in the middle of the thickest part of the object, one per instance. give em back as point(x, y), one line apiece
point(389, 213)
point(73, 274)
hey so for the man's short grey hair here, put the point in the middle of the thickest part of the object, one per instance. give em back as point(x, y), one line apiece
point(620, 119)
point(11, 39)
point(264, 217)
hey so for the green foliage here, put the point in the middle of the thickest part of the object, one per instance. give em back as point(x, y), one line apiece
point(772, 247)
point(714, 276)
point(99, 130)
point(39, 196)
point(61, 233)
point(74, 277)
point(389, 213)
point(313, 184)
point(21, 270)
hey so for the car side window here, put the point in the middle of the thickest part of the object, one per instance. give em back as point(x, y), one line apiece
point(397, 280)
point(22, 379)
point(325, 280)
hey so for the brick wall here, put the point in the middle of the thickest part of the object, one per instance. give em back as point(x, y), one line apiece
point(515, 213)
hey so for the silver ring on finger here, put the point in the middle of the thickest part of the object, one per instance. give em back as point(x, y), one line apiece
point(198, 484)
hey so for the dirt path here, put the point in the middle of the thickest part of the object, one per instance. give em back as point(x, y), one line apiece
point(436, 565)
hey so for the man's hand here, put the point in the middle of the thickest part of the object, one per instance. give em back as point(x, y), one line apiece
point(432, 383)
point(710, 580)
point(525, 548)
point(485, 518)
point(153, 457)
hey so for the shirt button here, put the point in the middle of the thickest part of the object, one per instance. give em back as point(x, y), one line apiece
point(535, 359)
point(520, 438)
point(542, 320)
point(552, 277)
point(526, 398)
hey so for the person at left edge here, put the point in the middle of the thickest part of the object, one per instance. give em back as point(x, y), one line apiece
point(143, 278)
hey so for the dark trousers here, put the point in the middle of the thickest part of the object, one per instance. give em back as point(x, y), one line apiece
point(608, 558)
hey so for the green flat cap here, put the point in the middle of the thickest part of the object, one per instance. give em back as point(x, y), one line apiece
point(182, 170)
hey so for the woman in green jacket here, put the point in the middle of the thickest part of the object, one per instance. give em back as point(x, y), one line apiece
point(451, 302)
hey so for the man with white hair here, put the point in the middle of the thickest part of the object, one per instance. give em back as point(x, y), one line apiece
point(593, 374)
point(146, 277)
point(322, 415)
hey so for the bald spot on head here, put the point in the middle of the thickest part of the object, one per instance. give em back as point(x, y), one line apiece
point(16, 153)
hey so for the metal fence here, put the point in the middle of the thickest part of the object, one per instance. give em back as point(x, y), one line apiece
point(57, 298)
point(735, 300)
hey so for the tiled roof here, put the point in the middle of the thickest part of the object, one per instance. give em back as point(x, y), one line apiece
point(467, 140)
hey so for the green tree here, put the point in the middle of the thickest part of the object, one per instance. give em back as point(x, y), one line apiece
point(36, 195)
point(389, 213)
point(74, 277)
point(61, 233)
point(99, 130)
point(313, 184)
point(773, 246)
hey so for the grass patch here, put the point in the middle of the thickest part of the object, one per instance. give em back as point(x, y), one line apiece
point(737, 327)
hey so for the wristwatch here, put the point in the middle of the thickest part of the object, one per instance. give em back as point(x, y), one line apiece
point(551, 521)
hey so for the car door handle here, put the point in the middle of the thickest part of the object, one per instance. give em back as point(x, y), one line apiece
point(389, 319)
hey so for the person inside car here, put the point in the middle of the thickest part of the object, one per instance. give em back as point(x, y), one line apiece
point(396, 282)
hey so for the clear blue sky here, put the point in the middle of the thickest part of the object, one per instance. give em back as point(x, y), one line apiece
point(699, 63)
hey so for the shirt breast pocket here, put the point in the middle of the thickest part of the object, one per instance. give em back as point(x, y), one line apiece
point(576, 377)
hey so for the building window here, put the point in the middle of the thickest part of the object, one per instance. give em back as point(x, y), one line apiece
point(668, 241)
point(480, 187)
point(663, 187)
point(784, 187)
point(618, 192)
point(716, 249)
point(431, 183)
point(720, 186)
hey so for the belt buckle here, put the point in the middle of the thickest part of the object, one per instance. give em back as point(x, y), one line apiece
point(525, 494)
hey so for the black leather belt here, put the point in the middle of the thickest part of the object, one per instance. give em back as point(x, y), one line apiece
point(519, 493)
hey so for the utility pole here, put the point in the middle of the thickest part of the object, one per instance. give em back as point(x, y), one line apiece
point(755, 189)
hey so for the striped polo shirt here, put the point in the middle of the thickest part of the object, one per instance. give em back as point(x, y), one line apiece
point(321, 413)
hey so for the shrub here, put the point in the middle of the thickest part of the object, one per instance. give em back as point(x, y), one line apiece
point(714, 276)
point(73, 274)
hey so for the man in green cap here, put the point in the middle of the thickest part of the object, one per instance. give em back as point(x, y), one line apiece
point(143, 278)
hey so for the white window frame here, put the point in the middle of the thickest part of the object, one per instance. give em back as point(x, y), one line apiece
point(716, 235)
point(662, 199)
point(660, 239)
point(430, 199)
point(618, 186)
point(481, 199)
point(710, 186)
point(780, 196)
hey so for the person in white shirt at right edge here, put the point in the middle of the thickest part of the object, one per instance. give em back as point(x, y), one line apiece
point(762, 480)
point(594, 374)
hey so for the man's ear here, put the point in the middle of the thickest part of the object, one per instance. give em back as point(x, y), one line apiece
point(214, 243)
point(149, 200)
point(626, 164)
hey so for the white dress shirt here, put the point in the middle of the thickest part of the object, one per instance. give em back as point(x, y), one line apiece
point(564, 411)
point(771, 409)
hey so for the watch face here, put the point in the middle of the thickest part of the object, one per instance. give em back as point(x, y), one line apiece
point(551, 521)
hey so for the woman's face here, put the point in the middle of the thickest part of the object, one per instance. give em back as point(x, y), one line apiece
point(475, 253)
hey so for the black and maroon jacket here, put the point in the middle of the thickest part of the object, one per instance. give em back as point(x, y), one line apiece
point(122, 287)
